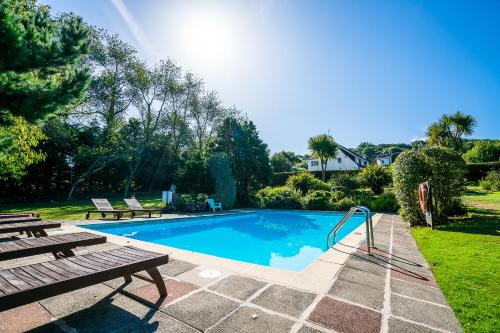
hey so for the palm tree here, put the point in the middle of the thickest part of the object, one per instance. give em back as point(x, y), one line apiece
point(323, 147)
point(450, 129)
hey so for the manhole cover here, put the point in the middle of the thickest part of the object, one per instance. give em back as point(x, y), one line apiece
point(210, 274)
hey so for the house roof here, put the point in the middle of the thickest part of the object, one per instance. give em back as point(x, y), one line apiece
point(352, 155)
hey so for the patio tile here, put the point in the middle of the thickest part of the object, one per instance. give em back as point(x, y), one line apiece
point(201, 310)
point(239, 287)
point(175, 267)
point(367, 263)
point(426, 313)
point(307, 329)
point(398, 326)
point(109, 315)
point(426, 280)
point(345, 317)
point(159, 323)
point(358, 293)
point(77, 300)
point(416, 291)
point(24, 318)
point(285, 300)
point(242, 321)
point(193, 277)
point(120, 283)
point(175, 289)
point(362, 277)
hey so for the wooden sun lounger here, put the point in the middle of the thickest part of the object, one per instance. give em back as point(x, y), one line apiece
point(104, 207)
point(31, 283)
point(59, 245)
point(34, 228)
point(20, 214)
point(135, 207)
point(19, 219)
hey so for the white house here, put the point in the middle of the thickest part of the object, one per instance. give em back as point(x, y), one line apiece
point(383, 160)
point(345, 160)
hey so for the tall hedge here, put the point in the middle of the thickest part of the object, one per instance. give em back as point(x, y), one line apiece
point(443, 167)
point(225, 186)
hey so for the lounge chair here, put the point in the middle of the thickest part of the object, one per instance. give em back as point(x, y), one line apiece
point(135, 207)
point(31, 283)
point(59, 245)
point(213, 205)
point(33, 228)
point(104, 207)
point(19, 219)
point(20, 214)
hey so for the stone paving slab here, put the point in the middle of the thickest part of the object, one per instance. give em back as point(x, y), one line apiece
point(401, 326)
point(24, 318)
point(242, 321)
point(416, 291)
point(201, 310)
point(239, 287)
point(285, 300)
point(423, 312)
point(307, 329)
point(175, 289)
point(362, 277)
point(345, 317)
point(175, 267)
point(359, 293)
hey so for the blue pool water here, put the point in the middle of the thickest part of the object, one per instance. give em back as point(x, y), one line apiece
point(283, 239)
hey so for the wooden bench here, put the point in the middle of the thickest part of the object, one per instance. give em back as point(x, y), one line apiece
point(59, 245)
point(104, 207)
point(135, 207)
point(19, 219)
point(34, 228)
point(31, 283)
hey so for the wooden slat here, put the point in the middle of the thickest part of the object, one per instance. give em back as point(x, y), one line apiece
point(6, 287)
point(110, 256)
point(14, 280)
point(40, 276)
point(48, 272)
point(58, 270)
point(26, 277)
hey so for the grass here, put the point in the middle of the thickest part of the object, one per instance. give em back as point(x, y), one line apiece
point(465, 258)
point(73, 210)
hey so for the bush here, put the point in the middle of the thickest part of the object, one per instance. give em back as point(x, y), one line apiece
point(191, 202)
point(385, 202)
point(483, 151)
point(281, 197)
point(317, 200)
point(305, 182)
point(225, 186)
point(477, 171)
point(345, 181)
point(491, 182)
point(343, 204)
point(375, 177)
point(443, 167)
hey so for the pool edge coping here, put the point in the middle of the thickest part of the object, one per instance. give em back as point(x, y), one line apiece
point(316, 277)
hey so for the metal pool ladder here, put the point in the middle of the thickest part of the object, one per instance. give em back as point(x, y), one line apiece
point(368, 222)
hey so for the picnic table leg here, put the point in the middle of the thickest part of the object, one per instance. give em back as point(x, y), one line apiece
point(160, 284)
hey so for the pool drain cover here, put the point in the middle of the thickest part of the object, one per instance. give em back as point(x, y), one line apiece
point(210, 274)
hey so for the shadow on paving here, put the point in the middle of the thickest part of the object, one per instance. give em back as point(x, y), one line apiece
point(109, 314)
point(380, 258)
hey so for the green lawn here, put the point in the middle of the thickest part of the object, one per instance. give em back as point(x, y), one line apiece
point(465, 258)
point(73, 210)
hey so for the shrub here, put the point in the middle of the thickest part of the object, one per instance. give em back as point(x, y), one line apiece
point(385, 202)
point(345, 181)
point(375, 177)
point(305, 182)
point(225, 186)
point(483, 151)
point(191, 202)
point(317, 200)
point(491, 182)
point(343, 204)
point(442, 166)
point(281, 197)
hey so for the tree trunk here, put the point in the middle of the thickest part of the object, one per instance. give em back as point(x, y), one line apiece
point(128, 181)
point(72, 189)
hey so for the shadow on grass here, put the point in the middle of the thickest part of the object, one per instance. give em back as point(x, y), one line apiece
point(479, 221)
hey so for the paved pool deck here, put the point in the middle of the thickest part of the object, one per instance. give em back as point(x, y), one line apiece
point(392, 290)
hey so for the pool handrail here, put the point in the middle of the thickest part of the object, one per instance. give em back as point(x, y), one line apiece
point(368, 222)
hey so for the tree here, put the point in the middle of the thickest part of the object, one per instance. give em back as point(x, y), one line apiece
point(284, 161)
point(323, 147)
point(225, 186)
point(40, 53)
point(450, 130)
point(376, 177)
point(483, 151)
point(249, 156)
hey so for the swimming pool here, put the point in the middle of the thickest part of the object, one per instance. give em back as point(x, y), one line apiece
point(284, 239)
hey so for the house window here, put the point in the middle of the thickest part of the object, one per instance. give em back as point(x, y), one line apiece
point(339, 160)
point(314, 163)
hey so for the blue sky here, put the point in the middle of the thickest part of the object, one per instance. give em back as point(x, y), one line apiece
point(376, 71)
